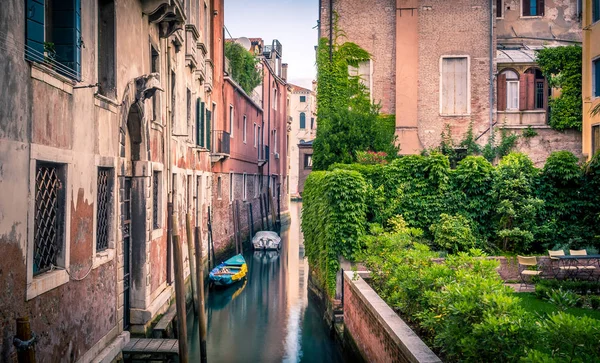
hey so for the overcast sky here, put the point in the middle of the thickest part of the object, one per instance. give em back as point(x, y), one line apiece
point(289, 21)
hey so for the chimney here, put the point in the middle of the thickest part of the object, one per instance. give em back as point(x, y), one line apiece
point(284, 68)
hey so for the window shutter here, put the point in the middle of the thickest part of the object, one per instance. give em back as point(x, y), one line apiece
point(523, 92)
point(34, 48)
point(596, 11)
point(198, 123)
point(540, 7)
point(302, 120)
point(67, 36)
point(530, 79)
point(208, 117)
point(501, 92)
point(526, 7)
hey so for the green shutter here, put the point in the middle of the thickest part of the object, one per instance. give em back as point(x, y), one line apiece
point(34, 48)
point(596, 11)
point(66, 16)
point(596, 71)
point(208, 117)
point(199, 132)
point(202, 117)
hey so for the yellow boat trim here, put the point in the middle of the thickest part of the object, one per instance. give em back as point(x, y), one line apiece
point(240, 275)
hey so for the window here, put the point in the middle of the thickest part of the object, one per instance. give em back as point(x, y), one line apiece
point(104, 195)
point(512, 89)
point(231, 121)
point(245, 125)
point(454, 83)
point(528, 91)
point(106, 48)
point(308, 161)
point(499, 8)
point(596, 77)
point(595, 139)
point(302, 98)
point(255, 135)
point(275, 141)
point(245, 185)
point(155, 68)
point(54, 27)
point(312, 123)
point(188, 100)
point(200, 123)
point(364, 72)
point(173, 98)
point(49, 222)
point(302, 120)
point(532, 7)
point(156, 200)
point(219, 188)
point(275, 99)
point(231, 189)
point(595, 10)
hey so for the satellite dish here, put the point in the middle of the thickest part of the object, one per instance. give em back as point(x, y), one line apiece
point(244, 42)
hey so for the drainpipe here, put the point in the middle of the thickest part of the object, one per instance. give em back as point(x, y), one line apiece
point(491, 68)
point(169, 177)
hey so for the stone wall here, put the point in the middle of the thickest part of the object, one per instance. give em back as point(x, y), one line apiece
point(379, 334)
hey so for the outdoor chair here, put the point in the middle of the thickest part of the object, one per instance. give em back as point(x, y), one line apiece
point(557, 267)
point(525, 269)
point(585, 269)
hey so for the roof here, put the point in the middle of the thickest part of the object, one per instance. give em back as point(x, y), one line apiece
point(515, 56)
point(298, 88)
point(308, 143)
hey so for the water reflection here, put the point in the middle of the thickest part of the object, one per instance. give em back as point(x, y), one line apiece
point(270, 318)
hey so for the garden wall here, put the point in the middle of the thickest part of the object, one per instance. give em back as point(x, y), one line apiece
point(378, 333)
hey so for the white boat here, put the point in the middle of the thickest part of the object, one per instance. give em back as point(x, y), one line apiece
point(266, 240)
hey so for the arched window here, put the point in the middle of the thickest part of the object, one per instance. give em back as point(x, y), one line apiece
point(302, 120)
point(528, 91)
point(537, 92)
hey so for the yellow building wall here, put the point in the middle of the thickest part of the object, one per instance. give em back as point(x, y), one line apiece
point(591, 50)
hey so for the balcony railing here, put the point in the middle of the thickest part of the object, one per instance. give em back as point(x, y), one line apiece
point(222, 142)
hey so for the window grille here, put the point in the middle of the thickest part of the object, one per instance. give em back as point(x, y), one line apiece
point(49, 211)
point(155, 180)
point(102, 217)
point(539, 95)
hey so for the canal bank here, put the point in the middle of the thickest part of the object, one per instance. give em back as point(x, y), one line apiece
point(270, 317)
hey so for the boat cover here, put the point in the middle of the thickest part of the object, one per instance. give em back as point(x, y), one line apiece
point(237, 260)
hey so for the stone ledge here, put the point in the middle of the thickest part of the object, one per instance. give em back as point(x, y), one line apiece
point(110, 353)
point(159, 305)
point(412, 347)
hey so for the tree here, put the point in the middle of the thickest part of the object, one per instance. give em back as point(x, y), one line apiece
point(242, 65)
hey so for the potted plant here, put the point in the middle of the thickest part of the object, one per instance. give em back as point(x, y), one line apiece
point(49, 54)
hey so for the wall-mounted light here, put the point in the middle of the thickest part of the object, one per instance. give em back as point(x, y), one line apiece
point(215, 12)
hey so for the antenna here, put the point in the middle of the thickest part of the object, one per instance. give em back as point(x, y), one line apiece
point(244, 42)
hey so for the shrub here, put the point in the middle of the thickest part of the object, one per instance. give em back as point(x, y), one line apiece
point(453, 233)
point(568, 337)
point(371, 157)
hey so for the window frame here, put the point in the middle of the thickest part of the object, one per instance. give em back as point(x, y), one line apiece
point(231, 122)
point(301, 119)
point(595, 87)
point(469, 94)
point(303, 99)
point(231, 187)
point(245, 124)
point(501, 9)
point(308, 165)
point(594, 145)
point(538, 15)
point(595, 14)
point(255, 135)
point(219, 188)
point(245, 186)
point(46, 281)
point(508, 98)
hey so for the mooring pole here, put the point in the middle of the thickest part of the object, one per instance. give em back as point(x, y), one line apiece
point(262, 215)
point(239, 225)
point(179, 293)
point(210, 238)
point(235, 235)
point(250, 221)
point(190, 245)
point(26, 350)
point(200, 293)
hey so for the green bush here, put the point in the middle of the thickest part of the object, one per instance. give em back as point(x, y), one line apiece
point(453, 233)
point(333, 221)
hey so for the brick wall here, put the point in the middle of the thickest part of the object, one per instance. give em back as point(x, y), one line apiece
point(448, 28)
point(377, 332)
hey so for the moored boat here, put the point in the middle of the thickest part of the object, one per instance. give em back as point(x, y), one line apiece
point(229, 272)
point(266, 240)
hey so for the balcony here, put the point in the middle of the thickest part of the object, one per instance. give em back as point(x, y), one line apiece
point(263, 155)
point(274, 47)
point(221, 146)
point(201, 57)
point(210, 69)
point(168, 14)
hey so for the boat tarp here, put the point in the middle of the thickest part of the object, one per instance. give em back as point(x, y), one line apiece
point(237, 260)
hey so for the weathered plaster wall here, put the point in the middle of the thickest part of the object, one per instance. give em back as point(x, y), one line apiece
point(560, 22)
point(546, 142)
point(303, 172)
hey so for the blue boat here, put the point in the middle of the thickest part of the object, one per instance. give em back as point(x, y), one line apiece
point(229, 272)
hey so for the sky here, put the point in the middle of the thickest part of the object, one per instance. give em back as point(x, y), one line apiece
point(289, 21)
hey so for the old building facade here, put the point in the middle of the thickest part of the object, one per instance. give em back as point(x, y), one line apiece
point(104, 126)
point(446, 63)
point(591, 76)
point(303, 129)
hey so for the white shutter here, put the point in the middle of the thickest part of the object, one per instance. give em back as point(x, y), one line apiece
point(455, 86)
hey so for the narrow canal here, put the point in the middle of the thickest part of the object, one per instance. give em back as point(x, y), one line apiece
point(269, 317)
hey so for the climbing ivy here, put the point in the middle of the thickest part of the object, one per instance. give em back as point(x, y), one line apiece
point(562, 67)
point(242, 65)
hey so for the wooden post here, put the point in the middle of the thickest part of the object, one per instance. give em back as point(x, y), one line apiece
point(169, 243)
point(266, 210)
point(239, 226)
point(179, 293)
point(24, 334)
point(190, 244)
point(262, 215)
point(210, 240)
point(272, 209)
point(235, 235)
point(200, 293)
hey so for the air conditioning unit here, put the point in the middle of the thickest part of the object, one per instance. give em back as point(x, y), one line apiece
point(276, 155)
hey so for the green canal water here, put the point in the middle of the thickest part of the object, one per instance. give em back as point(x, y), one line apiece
point(269, 317)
